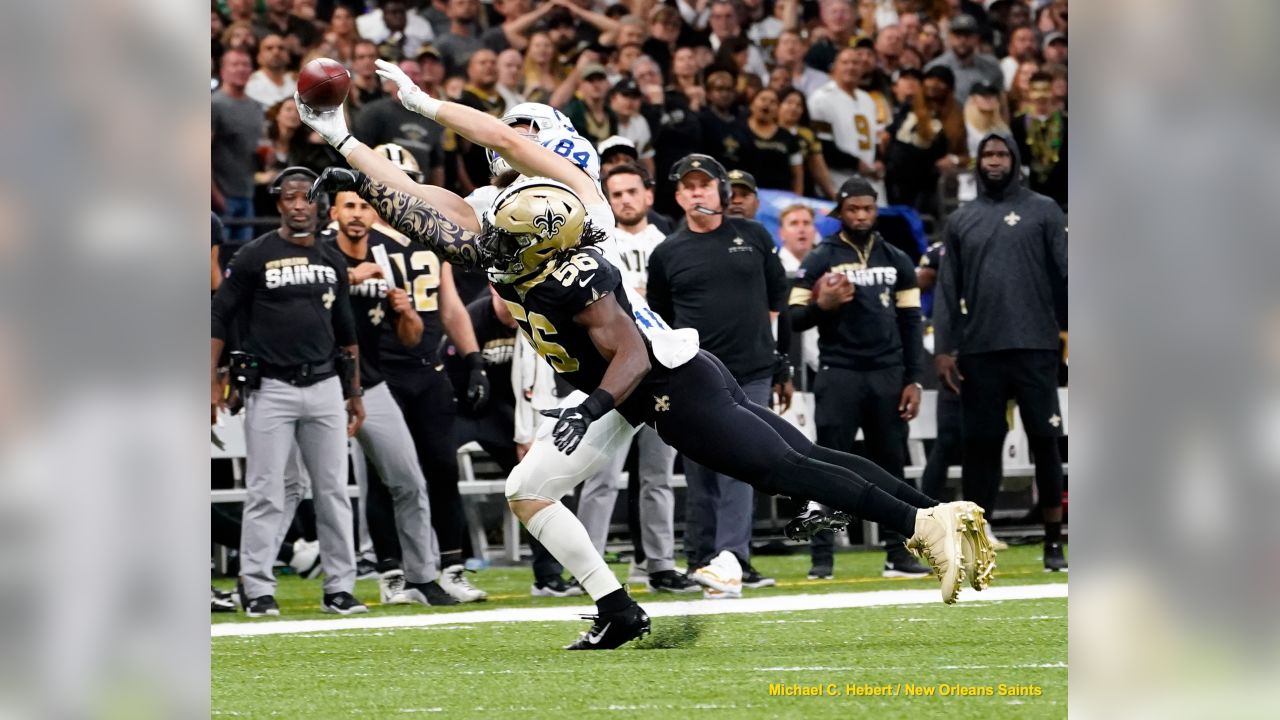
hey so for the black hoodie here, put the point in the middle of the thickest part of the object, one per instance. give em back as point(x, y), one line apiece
point(1005, 261)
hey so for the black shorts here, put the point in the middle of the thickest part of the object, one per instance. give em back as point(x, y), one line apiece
point(991, 380)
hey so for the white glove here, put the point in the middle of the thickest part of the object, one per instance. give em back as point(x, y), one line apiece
point(412, 97)
point(329, 124)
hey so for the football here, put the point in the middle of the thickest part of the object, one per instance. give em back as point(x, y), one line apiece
point(323, 84)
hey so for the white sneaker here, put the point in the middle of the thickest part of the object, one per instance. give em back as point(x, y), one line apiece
point(978, 557)
point(454, 582)
point(306, 559)
point(637, 574)
point(723, 574)
point(709, 594)
point(937, 542)
point(391, 588)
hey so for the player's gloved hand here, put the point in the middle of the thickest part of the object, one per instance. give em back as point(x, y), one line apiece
point(477, 382)
point(572, 423)
point(412, 97)
point(328, 124)
point(334, 179)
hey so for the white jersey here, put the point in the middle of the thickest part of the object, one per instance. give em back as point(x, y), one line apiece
point(635, 249)
point(848, 121)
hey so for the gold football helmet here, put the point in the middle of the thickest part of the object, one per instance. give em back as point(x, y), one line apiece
point(531, 221)
point(402, 159)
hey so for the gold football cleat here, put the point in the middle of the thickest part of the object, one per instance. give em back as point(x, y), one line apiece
point(978, 557)
point(937, 542)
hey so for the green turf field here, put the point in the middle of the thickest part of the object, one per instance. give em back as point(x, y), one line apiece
point(501, 669)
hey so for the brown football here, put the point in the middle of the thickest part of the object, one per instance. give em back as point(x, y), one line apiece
point(323, 84)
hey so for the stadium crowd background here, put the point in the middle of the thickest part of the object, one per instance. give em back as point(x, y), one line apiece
point(731, 79)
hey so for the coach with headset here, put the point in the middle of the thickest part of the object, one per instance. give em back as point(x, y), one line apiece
point(292, 295)
point(721, 275)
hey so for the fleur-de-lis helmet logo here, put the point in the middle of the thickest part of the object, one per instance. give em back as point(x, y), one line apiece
point(549, 223)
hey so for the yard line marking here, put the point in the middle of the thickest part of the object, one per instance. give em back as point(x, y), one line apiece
point(774, 603)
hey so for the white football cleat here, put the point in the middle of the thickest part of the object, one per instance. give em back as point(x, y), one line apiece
point(723, 574)
point(391, 588)
point(937, 542)
point(454, 582)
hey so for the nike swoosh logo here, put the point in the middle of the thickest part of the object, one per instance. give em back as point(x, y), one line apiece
point(583, 282)
point(595, 639)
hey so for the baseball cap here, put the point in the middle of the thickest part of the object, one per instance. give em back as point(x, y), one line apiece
point(743, 178)
point(427, 50)
point(943, 73)
point(985, 89)
point(1053, 37)
point(697, 162)
point(617, 143)
point(627, 86)
point(964, 24)
point(908, 72)
point(592, 70)
point(853, 187)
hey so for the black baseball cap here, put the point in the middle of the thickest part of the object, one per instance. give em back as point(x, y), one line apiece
point(697, 162)
point(743, 178)
point(627, 86)
point(985, 89)
point(943, 73)
point(908, 72)
point(853, 187)
point(964, 25)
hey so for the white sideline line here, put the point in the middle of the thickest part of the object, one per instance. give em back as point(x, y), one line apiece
point(776, 603)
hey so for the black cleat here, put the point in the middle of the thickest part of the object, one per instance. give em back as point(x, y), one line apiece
point(899, 563)
point(555, 586)
point(221, 601)
point(814, 519)
point(821, 572)
point(342, 603)
point(612, 630)
point(672, 582)
point(262, 606)
point(751, 578)
point(1054, 559)
point(427, 593)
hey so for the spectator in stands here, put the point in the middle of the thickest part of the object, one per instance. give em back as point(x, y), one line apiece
point(1019, 93)
point(1059, 75)
point(861, 293)
point(845, 120)
point(1052, 17)
point(676, 128)
point(929, 42)
point(789, 55)
point(630, 196)
point(763, 29)
point(298, 35)
point(517, 19)
point(963, 59)
point(510, 68)
point(725, 23)
point(773, 152)
point(240, 36)
point(889, 45)
point(620, 61)
point(686, 78)
point(1022, 48)
point(237, 123)
point(457, 46)
point(241, 10)
point(393, 23)
point(432, 66)
point(624, 101)
point(385, 120)
point(722, 127)
point(837, 31)
point(342, 34)
point(984, 113)
point(482, 94)
point(366, 86)
point(542, 72)
point(587, 110)
point(793, 115)
point(909, 23)
point(1055, 48)
point(744, 197)
point(272, 81)
point(874, 81)
point(911, 59)
point(664, 32)
point(797, 233)
point(563, 30)
point(939, 92)
point(283, 141)
point(916, 146)
point(1041, 135)
point(996, 328)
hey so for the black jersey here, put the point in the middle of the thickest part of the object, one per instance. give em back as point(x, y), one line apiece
point(373, 315)
point(545, 307)
point(293, 299)
point(497, 344)
point(418, 269)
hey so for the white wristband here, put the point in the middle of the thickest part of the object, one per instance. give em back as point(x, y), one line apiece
point(346, 145)
point(428, 107)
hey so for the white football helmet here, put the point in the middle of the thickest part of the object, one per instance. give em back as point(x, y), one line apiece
point(552, 130)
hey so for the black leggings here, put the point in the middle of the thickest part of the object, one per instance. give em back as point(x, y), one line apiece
point(712, 421)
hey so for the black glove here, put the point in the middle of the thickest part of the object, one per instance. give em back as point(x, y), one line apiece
point(477, 382)
point(332, 180)
point(781, 369)
point(572, 423)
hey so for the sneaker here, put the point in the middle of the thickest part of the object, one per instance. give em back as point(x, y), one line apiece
point(723, 573)
point(612, 630)
point(220, 601)
point(453, 580)
point(1054, 559)
point(815, 518)
point(821, 572)
point(996, 543)
point(556, 587)
point(900, 563)
point(366, 569)
point(937, 541)
point(637, 573)
point(670, 581)
point(427, 593)
point(342, 603)
point(977, 552)
point(751, 578)
point(391, 588)
point(711, 594)
point(306, 559)
point(262, 606)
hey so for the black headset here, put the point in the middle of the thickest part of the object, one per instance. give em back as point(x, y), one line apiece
point(278, 183)
point(704, 163)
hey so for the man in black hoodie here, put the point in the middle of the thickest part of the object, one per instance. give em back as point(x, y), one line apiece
point(996, 328)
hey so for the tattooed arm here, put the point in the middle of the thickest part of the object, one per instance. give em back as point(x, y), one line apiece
point(413, 217)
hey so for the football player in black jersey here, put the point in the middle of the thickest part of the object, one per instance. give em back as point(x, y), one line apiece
point(536, 245)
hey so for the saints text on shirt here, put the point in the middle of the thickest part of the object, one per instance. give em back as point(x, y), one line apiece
point(864, 277)
point(297, 271)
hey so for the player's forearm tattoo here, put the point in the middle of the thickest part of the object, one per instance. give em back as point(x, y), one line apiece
point(418, 220)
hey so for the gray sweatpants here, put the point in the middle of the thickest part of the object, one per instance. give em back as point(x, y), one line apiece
point(657, 500)
point(279, 416)
point(386, 441)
